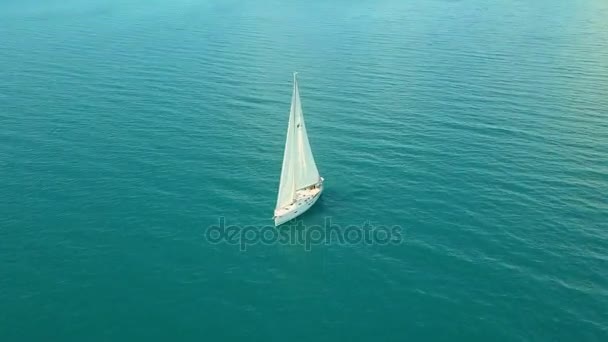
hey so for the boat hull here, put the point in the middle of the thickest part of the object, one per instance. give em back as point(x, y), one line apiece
point(298, 208)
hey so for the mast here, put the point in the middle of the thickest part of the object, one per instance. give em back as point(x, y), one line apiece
point(293, 125)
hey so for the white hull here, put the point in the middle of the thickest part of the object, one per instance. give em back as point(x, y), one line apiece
point(305, 199)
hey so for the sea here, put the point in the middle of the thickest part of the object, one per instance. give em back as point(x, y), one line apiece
point(463, 144)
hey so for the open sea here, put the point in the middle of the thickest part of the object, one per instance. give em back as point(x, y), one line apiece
point(478, 129)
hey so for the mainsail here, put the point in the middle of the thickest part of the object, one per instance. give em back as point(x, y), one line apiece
point(299, 169)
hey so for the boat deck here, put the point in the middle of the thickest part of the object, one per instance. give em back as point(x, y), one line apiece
point(303, 195)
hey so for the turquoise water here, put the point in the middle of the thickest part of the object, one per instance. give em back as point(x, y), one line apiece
point(127, 128)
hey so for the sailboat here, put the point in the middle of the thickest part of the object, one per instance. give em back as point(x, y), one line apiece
point(301, 185)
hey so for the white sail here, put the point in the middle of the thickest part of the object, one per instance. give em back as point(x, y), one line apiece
point(299, 169)
point(287, 188)
point(307, 173)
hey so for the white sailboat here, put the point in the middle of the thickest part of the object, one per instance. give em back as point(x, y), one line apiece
point(300, 186)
